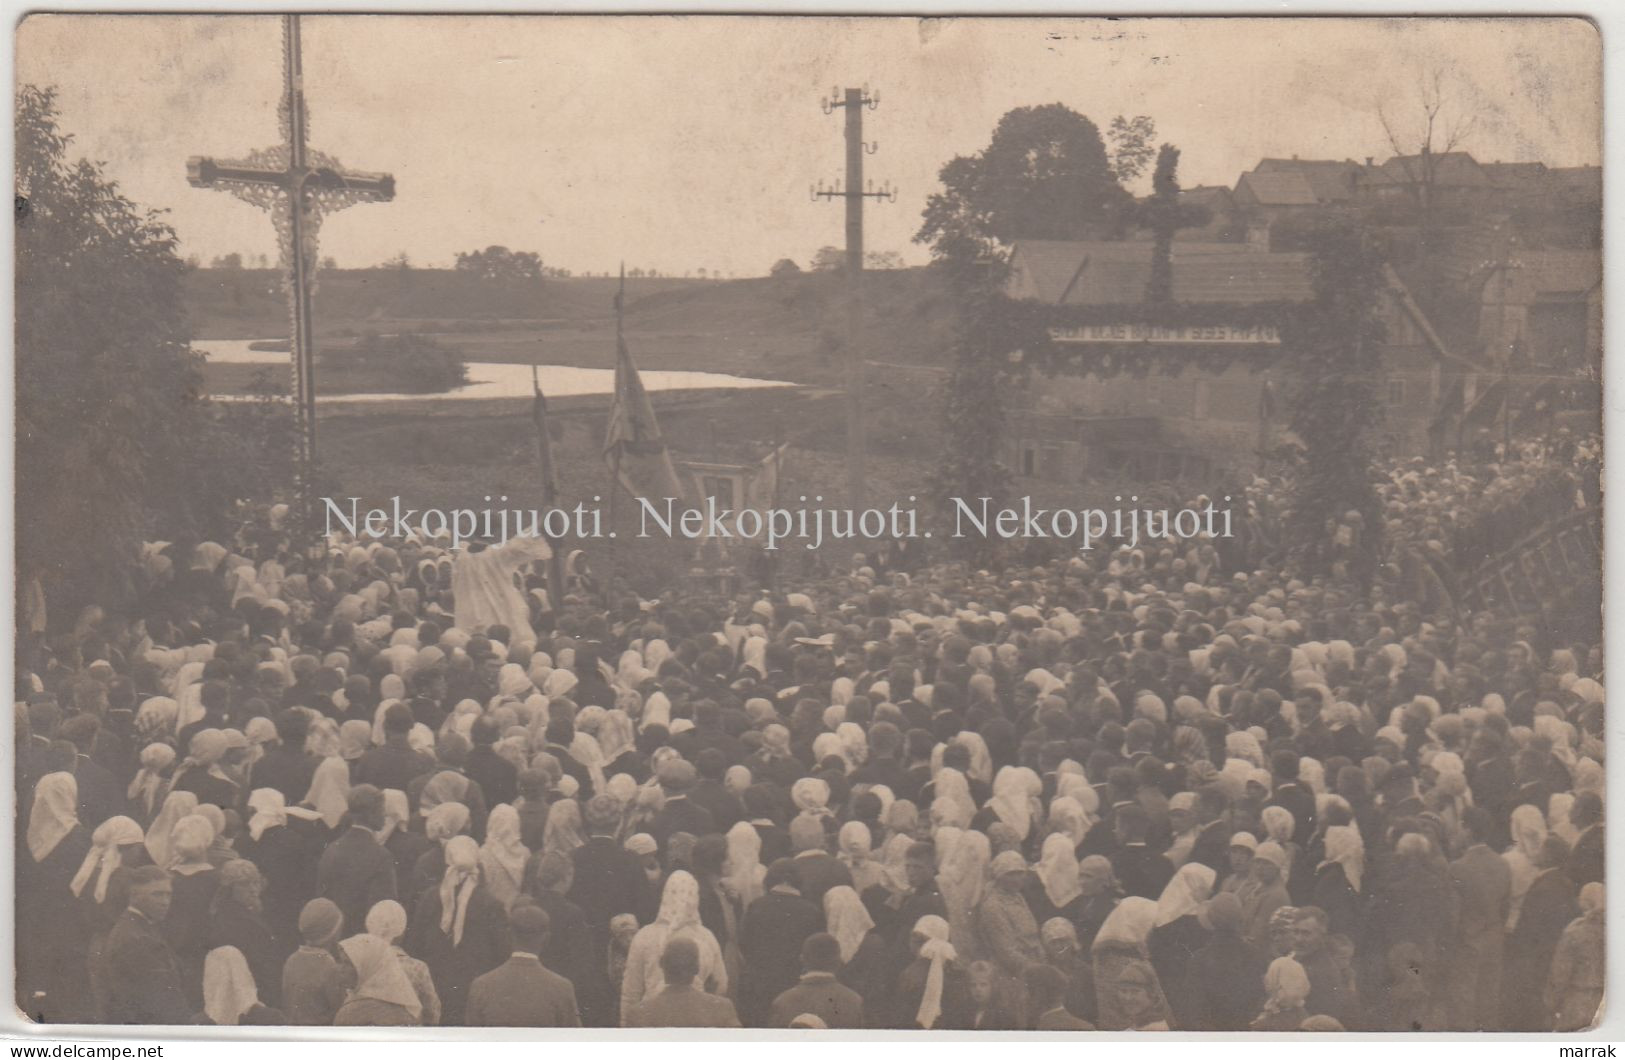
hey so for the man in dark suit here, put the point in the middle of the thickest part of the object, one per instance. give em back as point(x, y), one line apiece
point(1046, 992)
point(681, 1004)
point(770, 939)
point(100, 795)
point(143, 976)
point(395, 764)
point(561, 733)
point(497, 777)
point(819, 869)
point(711, 795)
point(521, 992)
point(286, 767)
point(607, 881)
point(1213, 834)
point(883, 766)
point(708, 733)
point(818, 993)
point(1292, 797)
point(356, 872)
point(1585, 864)
point(680, 814)
point(1139, 870)
point(1484, 882)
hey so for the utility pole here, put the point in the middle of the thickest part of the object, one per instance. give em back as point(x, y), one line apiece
point(853, 101)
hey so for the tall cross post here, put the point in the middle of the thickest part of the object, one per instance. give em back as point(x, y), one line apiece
point(298, 186)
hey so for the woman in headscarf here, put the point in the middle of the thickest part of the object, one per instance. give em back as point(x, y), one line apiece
point(202, 773)
point(962, 879)
point(678, 917)
point(194, 881)
point(902, 820)
point(147, 788)
point(459, 930)
point(503, 855)
point(50, 922)
point(329, 793)
point(1286, 988)
point(387, 921)
point(285, 842)
point(617, 743)
point(229, 995)
point(865, 962)
point(1100, 895)
point(950, 786)
point(1547, 907)
point(1015, 799)
point(1528, 836)
point(1053, 889)
point(856, 853)
point(1127, 991)
point(1575, 990)
point(745, 870)
point(1338, 880)
point(177, 804)
point(382, 996)
point(564, 831)
point(933, 991)
point(1178, 932)
point(101, 885)
point(237, 919)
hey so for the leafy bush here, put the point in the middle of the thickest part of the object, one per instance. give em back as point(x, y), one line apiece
point(400, 364)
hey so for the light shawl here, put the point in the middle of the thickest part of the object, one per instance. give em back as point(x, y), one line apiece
point(616, 735)
point(1345, 847)
point(378, 972)
point(563, 831)
point(1068, 818)
point(846, 919)
point(950, 784)
point(149, 779)
point(1058, 870)
point(1129, 924)
point(1014, 798)
point(329, 792)
point(962, 878)
point(53, 815)
point(272, 811)
point(105, 855)
point(1185, 893)
point(1286, 986)
point(503, 856)
point(457, 885)
point(745, 868)
point(1528, 836)
point(228, 986)
point(811, 796)
point(937, 950)
point(177, 804)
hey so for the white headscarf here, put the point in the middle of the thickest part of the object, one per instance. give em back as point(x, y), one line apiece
point(1345, 847)
point(939, 952)
point(177, 804)
point(272, 811)
point(1129, 924)
point(378, 973)
point(1058, 869)
point(228, 986)
point(952, 785)
point(457, 885)
point(503, 856)
point(105, 855)
point(1013, 798)
point(846, 919)
point(149, 779)
point(330, 790)
point(53, 815)
point(745, 868)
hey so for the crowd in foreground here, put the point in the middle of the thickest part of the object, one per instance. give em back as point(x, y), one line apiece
point(1136, 791)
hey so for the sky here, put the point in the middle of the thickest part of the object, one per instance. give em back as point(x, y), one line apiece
point(682, 143)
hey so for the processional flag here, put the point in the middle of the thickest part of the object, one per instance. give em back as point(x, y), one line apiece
point(633, 446)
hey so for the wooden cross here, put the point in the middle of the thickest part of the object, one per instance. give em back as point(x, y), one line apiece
point(297, 186)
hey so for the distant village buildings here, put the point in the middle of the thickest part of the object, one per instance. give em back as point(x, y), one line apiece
point(1498, 317)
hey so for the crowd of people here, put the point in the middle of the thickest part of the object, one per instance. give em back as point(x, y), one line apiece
point(1125, 791)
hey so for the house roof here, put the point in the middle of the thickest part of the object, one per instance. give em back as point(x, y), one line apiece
point(1277, 189)
point(1096, 273)
point(1330, 180)
point(1579, 181)
point(1452, 169)
point(1520, 176)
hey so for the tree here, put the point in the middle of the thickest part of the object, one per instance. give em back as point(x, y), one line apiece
point(329, 262)
point(829, 259)
point(1335, 409)
point(1044, 175)
point(113, 445)
point(400, 262)
point(883, 259)
point(784, 267)
point(1164, 215)
point(1130, 145)
point(227, 261)
point(701, 273)
point(501, 264)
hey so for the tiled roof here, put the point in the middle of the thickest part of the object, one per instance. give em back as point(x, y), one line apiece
point(1117, 273)
point(1329, 180)
point(1453, 169)
point(1278, 189)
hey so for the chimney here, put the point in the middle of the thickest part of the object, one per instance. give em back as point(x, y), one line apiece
point(1368, 161)
point(1258, 237)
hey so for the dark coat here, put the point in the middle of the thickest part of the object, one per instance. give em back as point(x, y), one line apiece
point(820, 994)
point(1171, 947)
point(1141, 872)
point(770, 939)
point(496, 776)
point(393, 765)
point(144, 978)
point(819, 873)
point(521, 993)
point(288, 770)
point(726, 810)
point(681, 814)
point(356, 874)
point(454, 966)
point(1300, 802)
point(1223, 985)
